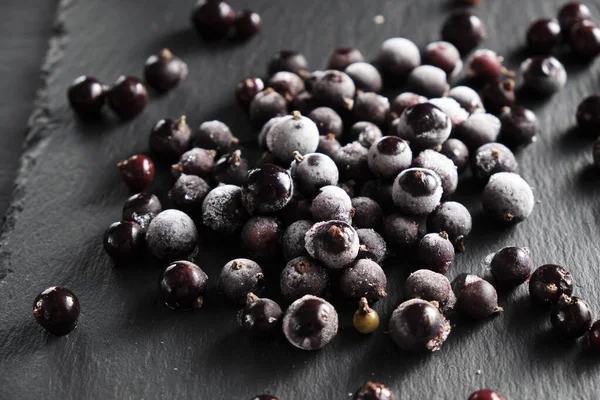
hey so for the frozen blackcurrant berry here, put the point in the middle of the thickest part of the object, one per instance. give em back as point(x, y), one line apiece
point(507, 197)
point(585, 39)
point(492, 158)
point(127, 97)
point(137, 172)
point(497, 96)
point(188, 193)
point(170, 138)
point(365, 76)
point(572, 13)
point(264, 131)
point(334, 89)
point(372, 245)
point(292, 241)
point(222, 209)
point(431, 286)
point(594, 336)
point(374, 391)
point(294, 133)
point(247, 89)
point(334, 243)
point(287, 84)
point(310, 323)
point(141, 208)
point(467, 98)
point(182, 285)
point(213, 135)
point(297, 209)
point(367, 213)
point(397, 58)
point(511, 266)
point(172, 235)
point(332, 203)
point(87, 96)
point(588, 113)
point(264, 397)
point(442, 166)
point(417, 191)
point(267, 189)
point(400, 231)
point(266, 105)
point(424, 126)
point(302, 276)
point(328, 121)
point(288, 60)
point(328, 145)
point(365, 319)
point(479, 129)
point(56, 309)
point(404, 101)
point(240, 277)
point(124, 241)
point(261, 317)
point(231, 169)
point(352, 162)
point(571, 318)
point(520, 127)
point(543, 75)
point(304, 102)
point(486, 66)
point(364, 278)
point(486, 394)
point(389, 156)
point(454, 219)
point(365, 133)
point(444, 56)
point(213, 19)
point(164, 71)
point(464, 30)
point(475, 298)
point(548, 283)
point(435, 252)
point(456, 151)
point(428, 81)
point(343, 57)
point(417, 325)
point(197, 161)
point(261, 236)
point(543, 36)
point(452, 109)
point(371, 107)
point(313, 171)
point(247, 24)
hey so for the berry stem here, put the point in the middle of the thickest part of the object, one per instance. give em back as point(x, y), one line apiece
point(363, 306)
point(165, 54)
point(299, 157)
point(251, 298)
point(181, 122)
point(297, 115)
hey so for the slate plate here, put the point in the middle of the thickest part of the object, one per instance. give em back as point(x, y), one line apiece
point(129, 346)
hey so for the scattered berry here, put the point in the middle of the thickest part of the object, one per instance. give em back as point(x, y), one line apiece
point(464, 30)
point(288, 60)
point(548, 283)
point(302, 276)
point(172, 235)
point(141, 208)
point(431, 286)
point(475, 297)
point(572, 317)
point(397, 58)
point(365, 76)
point(492, 158)
point(197, 161)
point(400, 231)
point(365, 319)
point(261, 235)
point(544, 76)
point(454, 219)
point(417, 191)
point(496, 96)
point(424, 125)
point(334, 243)
point(240, 277)
point(182, 285)
point(247, 24)
point(128, 97)
point(124, 241)
point(213, 135)
point(594, 336)
point(417, 325)
point(486, 394)
point(223, 210)
point(247, 89)
point(170, 138)
point(486, 66)
point(520, 127)
point(188, 193)
point(267, 189)
point(56, 309)
point(87, 96)
point(511, 266)
point(507, 197)
point(444, 56)
point(588, 113)
point(213, 19)
point(287, 84)
point(164, 71)
point(456, 151)
point(137, 172)
point(374, 391)
point(572, 13)
point(543, 36)
point(261, 317)
point(364, 278)
point(328, 121)
point(435, 252)
point(310, 323)
point(428, 81)
point(585, 39)
point(332, 203)
point(389, 156)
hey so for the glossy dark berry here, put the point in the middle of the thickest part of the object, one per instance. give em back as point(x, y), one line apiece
point(364, 278)
point(302, 276)
point(452, 109)
point(588, 113)
point(56, 309)
point(328, 121)
point(170, 138)
point(572, 13)
point(492, 158)
point(441, 165)
point(287, 84)
point(188, 193)
point(497, 96)
point(223, 210)
point(334, 89)
point(417, 325)
point(310, 323)
point(404, 101)
point(435, 252)
point(511, 266)
point(352, 162)
point(87, 96)
point(264, 397)
point(247, 89)
point(464, 30)
point(486, 394)
point(164, 71)
point(571, 318)
point(292, 241)
point(261, 236)
point(544, 76)
point(365, 319)
point(424, 125)
point(137, 172)
point(372, 245)
point(332, 203)
point(288, 60)
point(486, 66)
point(454, 219)
point(182, 285)
point(417, 191)
point(343, 57)
point(231, 169)
point(371, 107)
point(548, 283)
point(334, 243)
point(213, 19)
point(397, 58)
point(247, 24)
point(213, 135)
point(508, 198)
point(543, 36)
point(240, 277)
point(520, 127)
point(431, 286)
point(475, 297)
point(478, 129)
point(467, 98)
point(197, 161)
point(127, 97)
point(266, 105)
point(374, 391)
point(456, 151)
point(365, 76)
point(428, 81)
point(141, 208)
point(585, 39)
point(594, 336)
point(313, 171)
point(443, 55)
point(261, 317)
point(267, 189)
point(400, 231)
point(365, 133)
point(367, 213)
point(124, 241)
point(172, 235)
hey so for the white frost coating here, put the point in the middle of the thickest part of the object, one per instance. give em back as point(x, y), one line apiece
point(215, 205)
point(262, 136)
point(412, 205)
point(388, 165)
point(332, 203)
point(402, 51)
point(452, 108)
point(483, 124)
point(293, 134)
point(441, 165)
point(429, 80)
point(313, 342)
point(425, 138)
point(508, 197)
point(468, 97)
point(331, 260)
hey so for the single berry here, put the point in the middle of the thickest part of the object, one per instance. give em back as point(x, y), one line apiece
point(544, 76)
point(240, 277)
point(585, 39)
point(334, 89)
point(298, 209)
point(454, 219)
point(417, 325)
point(572, 13)
point(508, 198)
point(334, 243)
point(213, 135)
point(247, 89)
point(404, 101)
point(213, 19)
point(486, 394)
point(431, 286)
point(127, 97)
point(170, 138)
point(365, 319)
point(364, 278)
point(223, 210)
point(442, 166)
point(328, 121)
point(87, 96)
point(365, 133)
point(486, 66)
point(266, 105)
point(313, 171)
point(588, 113)
point(264, 131)
point(343, 57)
point(287, 84)
point(372, 245)
point(452, 109)
point(332, 203)
point(261, 317)
point(371, 107)
point(293, 133)
point(594, 336)
point(182, 285)
point(400, 231)
point(247, 24)
point(492, 158)
point(352, 162)
point(367, 213)
point(543, 36)
point(511, 266)
point(571, 318)
point(444, 56)
point(475, 298)
point(397, 58)
point(188, 193)
point(424, 126)
point(365, 76)
point(548, 283)
point(267, 189)
point(231, 169)
point(141, 208)
point(374, 391)
point(467, 98)
point(172, 235)
point(456, 151)
point(417, 191)
point(56, 309)
point(261, 236)
point(520, 127)
point(164, 71)
point(310, 323)
point(137, 172)
point(428, 80)
point(435, 252)
point(264, 397)
point(478, 129)
point(124, 241)
point(464, 30)
point(197, 161)
point(496, 96)
point(328, 145)
point(302, 276)
point(292, 241)
point(288, 60)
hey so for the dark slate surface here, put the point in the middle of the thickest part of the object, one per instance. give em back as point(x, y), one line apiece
point(129, 346)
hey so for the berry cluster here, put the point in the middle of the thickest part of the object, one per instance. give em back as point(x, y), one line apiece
point(215, 20)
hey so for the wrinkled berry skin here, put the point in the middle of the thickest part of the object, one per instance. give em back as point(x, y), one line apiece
point(222, 209)
point(334, 243)
point(374, 391)
point(511, 266)
point(87, 96)
point(548, 283)
point(240, 277)
point(302, 276)
point(56, 309)
point(364, 278)
point(571, 318)
point(172, 236)
point(431, 286)
point(261, 317)
point(124, 241)
point(182, 285)
point(128, 97)
point(310, 323)
point(475, 297)
point(267, 189)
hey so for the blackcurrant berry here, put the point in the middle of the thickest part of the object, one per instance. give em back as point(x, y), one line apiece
point(267, 189)
point(310, 323)
point(417, 325)
point(170, 138)
point(87, 96)
point(571, 318)
point(302, 276)
point(137, 172)
point(223, 210)
point(182, 285)
point(213, 19)
point(128, 97)
point(164, 71)
point(511, 266)
point(548, 283)
point(261, 317)
point(172, 235)
point(56, 309)
point(124, 241)
point(240, 277)
point(334, 243)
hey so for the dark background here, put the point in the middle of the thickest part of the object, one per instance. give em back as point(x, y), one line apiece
point(128, 345)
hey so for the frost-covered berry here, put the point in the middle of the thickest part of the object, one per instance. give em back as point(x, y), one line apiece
point(452, 109)
point(403, 101)
point(313, 171)
point(364, 278)
point(213, 135)
point(441, 165)
point(264, 131)
point(400, 231)
point(292, 242)
point(365, 133)
point(428, 81)
point(329, 145)
point(240, 277)
point(310, 323)
point(332, 203)
point(371, 107)
point(397, 58)
point(188, 193)
point(334, 89)
point(196, 161)
point(475, 297)
point(431, 286)
point(424, 125)
point(417, 191)
point(287, 84)
point(435, 252)
point(456, 151)
point(417, 325)
point(222, 209)
point(327, 120)
point(372, 245)
point(479, 129)
point(302, 276)
point(492, 158)
point(389, 156)
point(467, 98)
point(443, 55)
point(367, 213)
point(334, 243)
point(454, 219)
point(172, 236)
point(507, 197)
point(352, 162)
point(290, 134)
point(268, 188)
point(266, 105)
point(365, 76)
